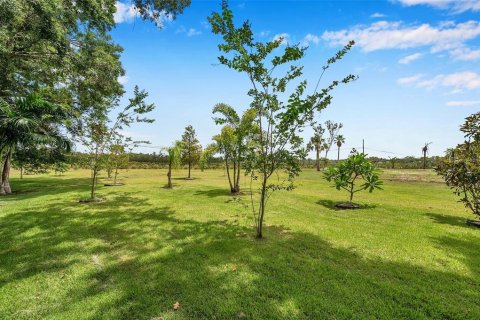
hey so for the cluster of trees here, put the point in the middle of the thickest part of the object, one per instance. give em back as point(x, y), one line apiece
point(59, 70)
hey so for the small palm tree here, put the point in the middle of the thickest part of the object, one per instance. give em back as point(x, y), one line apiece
point(29, 122)
point(174, 154)
point(425, 150)
point(340, 140)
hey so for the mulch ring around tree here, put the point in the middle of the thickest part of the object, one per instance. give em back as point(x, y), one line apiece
point(347, 206)
point(473, 223)
point(90, 200)
point(114, 184)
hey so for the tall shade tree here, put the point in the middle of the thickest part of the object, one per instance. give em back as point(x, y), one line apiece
point(340, 140)
point(461, 166)
point(317, 142)
point(174, 156)
point(98, 136)
point(191, 148)
point(29, 122)
point(278, 145)
point(425, 150)
point(233, 140)
point(43, 42)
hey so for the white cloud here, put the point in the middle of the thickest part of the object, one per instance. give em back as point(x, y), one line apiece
point(190, 32)
point(465, 54)
point(447, 36)
point(265, 33)
point(456, 6)
point(123, 79)
point(378, 15)
point(410, 80)
point(193, 32)
point(394, 35)
point(467, 103)
point(410, 58)
point(124, 12)
point(283, 37)
point(127, 13)
point(310, 38)
point(459, 81)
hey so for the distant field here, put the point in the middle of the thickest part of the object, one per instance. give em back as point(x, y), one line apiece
point(407, 255)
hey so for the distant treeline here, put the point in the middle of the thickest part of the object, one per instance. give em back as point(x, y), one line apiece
point(159, 161)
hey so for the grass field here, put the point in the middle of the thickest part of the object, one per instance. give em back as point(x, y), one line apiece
point(406, 255)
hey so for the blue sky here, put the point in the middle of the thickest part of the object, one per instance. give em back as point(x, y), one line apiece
point(418, 63)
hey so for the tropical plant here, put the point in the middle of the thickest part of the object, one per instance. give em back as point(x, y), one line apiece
point(340, 140)
point(317, 142)
point(425, 150)
point(29, 122)
point(344, 175)
point(332, 129)
point(461, 166)
point(191, 148)
point(277, 146)
point(233, 140)
point(174, 155)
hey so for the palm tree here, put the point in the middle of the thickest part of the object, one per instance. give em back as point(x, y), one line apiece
point(233, 140)
point(317, 142)
point(29, 122)
point(425, 152)
point(174, 158)
point(340, 140)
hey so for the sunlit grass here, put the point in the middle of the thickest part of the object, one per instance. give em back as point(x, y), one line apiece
point(407, 254)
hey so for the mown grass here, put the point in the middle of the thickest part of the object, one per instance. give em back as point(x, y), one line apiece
point(407, 254)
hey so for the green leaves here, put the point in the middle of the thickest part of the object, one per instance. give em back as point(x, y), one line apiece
point(461, 166)
point(345, 173)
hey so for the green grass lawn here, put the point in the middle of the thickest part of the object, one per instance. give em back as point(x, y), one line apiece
point(407, 255)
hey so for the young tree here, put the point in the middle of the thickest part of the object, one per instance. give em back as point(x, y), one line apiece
point(461, 166)
point(333, 129)
point(191, 148)
point(340, 140)
point(29, 122)
point(425, 150)
point(233, 140)
point(278, 144)
point(317, 142)
point(345, 174)
point(97, 135)
point(174, 154)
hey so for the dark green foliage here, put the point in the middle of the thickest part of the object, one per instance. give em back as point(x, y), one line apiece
point(191, 148)
point(345, 174)
point(461, 166)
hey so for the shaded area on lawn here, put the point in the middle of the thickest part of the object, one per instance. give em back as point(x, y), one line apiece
point(116, 260)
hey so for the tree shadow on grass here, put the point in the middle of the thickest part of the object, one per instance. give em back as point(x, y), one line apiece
point(213, 193)
point(448, 219)
point(330, 204)
point(122, 261)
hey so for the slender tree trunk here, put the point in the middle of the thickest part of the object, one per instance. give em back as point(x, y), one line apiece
point(318, 158)
point(93, 191)
point(5, 181)
point(424, 160)
point(115, 175)
point(21, 172)
point(169, 175)
point(237, 179)
point(261, 209)
point(338, 154)
point(189, 163)
point(227, 167)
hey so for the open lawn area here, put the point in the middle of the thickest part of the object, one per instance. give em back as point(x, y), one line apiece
point(408, 254)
